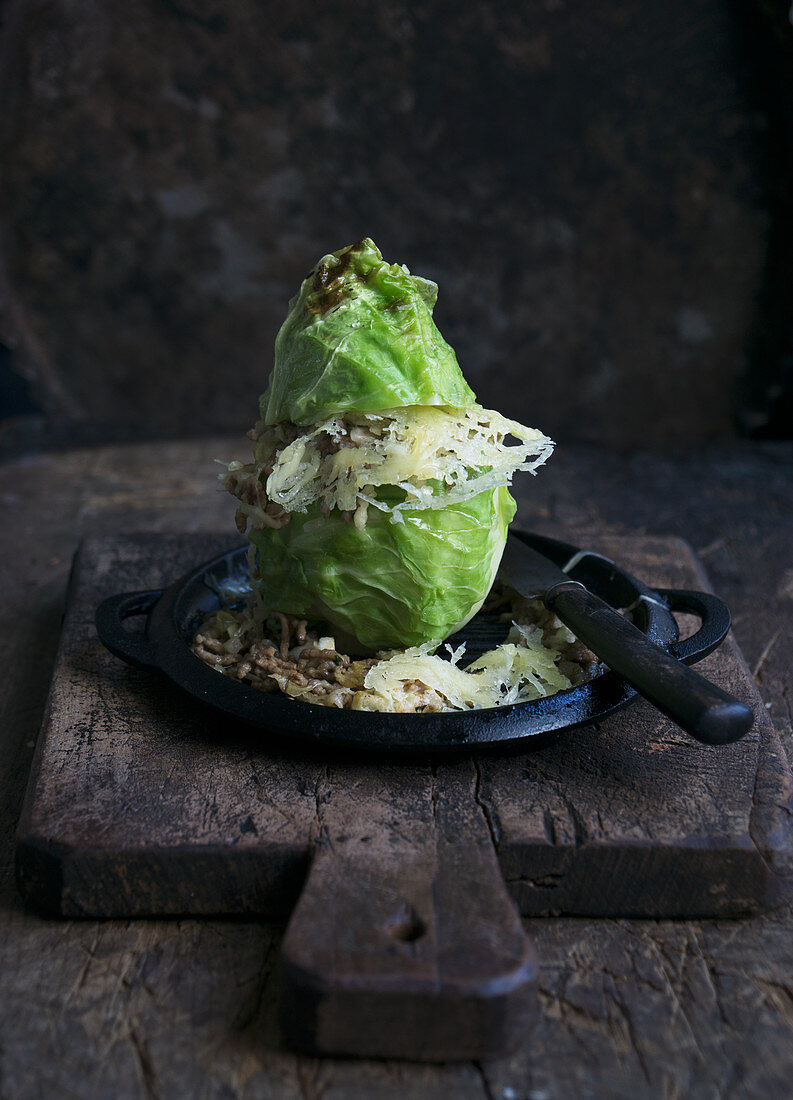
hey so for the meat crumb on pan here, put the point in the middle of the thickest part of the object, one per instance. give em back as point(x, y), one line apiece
point(288, 655)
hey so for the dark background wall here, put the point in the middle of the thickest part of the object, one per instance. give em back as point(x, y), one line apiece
point(601, 191)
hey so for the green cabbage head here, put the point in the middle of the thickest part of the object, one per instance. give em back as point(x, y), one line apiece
point(360, 337)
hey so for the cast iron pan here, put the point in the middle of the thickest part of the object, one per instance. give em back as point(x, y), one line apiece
point(173, 615)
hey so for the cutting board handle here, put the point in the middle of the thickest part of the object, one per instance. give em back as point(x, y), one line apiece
point(405, 942)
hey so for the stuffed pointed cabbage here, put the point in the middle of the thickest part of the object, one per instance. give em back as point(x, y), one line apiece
point(377, 497)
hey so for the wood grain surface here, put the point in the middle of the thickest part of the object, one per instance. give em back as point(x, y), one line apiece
point(629, 1008)
point(405, 942)
point(146, 803)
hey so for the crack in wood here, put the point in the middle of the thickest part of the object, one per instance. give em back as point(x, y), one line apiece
point(247, 1015)
point(552, 880)
point(321, 788)
point(488, 812)
point(771, 816)
point(781, 997)
point(580, 831)
point(549, 826)
point(147, 1072)
point(634, 1037)
point(489, 1094)
point(308, 1072)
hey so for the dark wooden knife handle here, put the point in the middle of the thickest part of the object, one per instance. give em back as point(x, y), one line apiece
point(699, 707)
point(405, 942)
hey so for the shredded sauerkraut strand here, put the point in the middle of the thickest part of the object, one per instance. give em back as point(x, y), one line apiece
point(415, 457)
point(540, 657)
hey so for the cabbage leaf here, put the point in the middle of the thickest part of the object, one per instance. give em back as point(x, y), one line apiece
point(387, 584)
point(360, 335)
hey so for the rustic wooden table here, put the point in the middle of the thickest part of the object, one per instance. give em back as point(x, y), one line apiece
point(186, 1008)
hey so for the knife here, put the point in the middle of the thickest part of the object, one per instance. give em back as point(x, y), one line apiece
point(701, 708)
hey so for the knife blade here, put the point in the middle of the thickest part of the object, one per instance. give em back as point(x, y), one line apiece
point(699, 707)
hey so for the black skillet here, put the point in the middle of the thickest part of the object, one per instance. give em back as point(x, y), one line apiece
point(173, 615)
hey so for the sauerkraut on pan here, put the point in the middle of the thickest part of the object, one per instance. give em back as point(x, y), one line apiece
point(540, 657)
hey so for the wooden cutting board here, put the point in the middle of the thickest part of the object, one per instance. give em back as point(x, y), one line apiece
point(405, 941)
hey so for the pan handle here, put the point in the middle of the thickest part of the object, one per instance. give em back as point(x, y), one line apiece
point(111, 614)
point(715, 622)
point(701, 708)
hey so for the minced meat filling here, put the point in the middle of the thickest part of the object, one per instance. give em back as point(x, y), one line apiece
point(285, 655)
point(293, 660)
point(248, 482)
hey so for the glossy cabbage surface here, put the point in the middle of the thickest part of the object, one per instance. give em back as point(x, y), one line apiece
point(388, 584)
point(360, 335)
